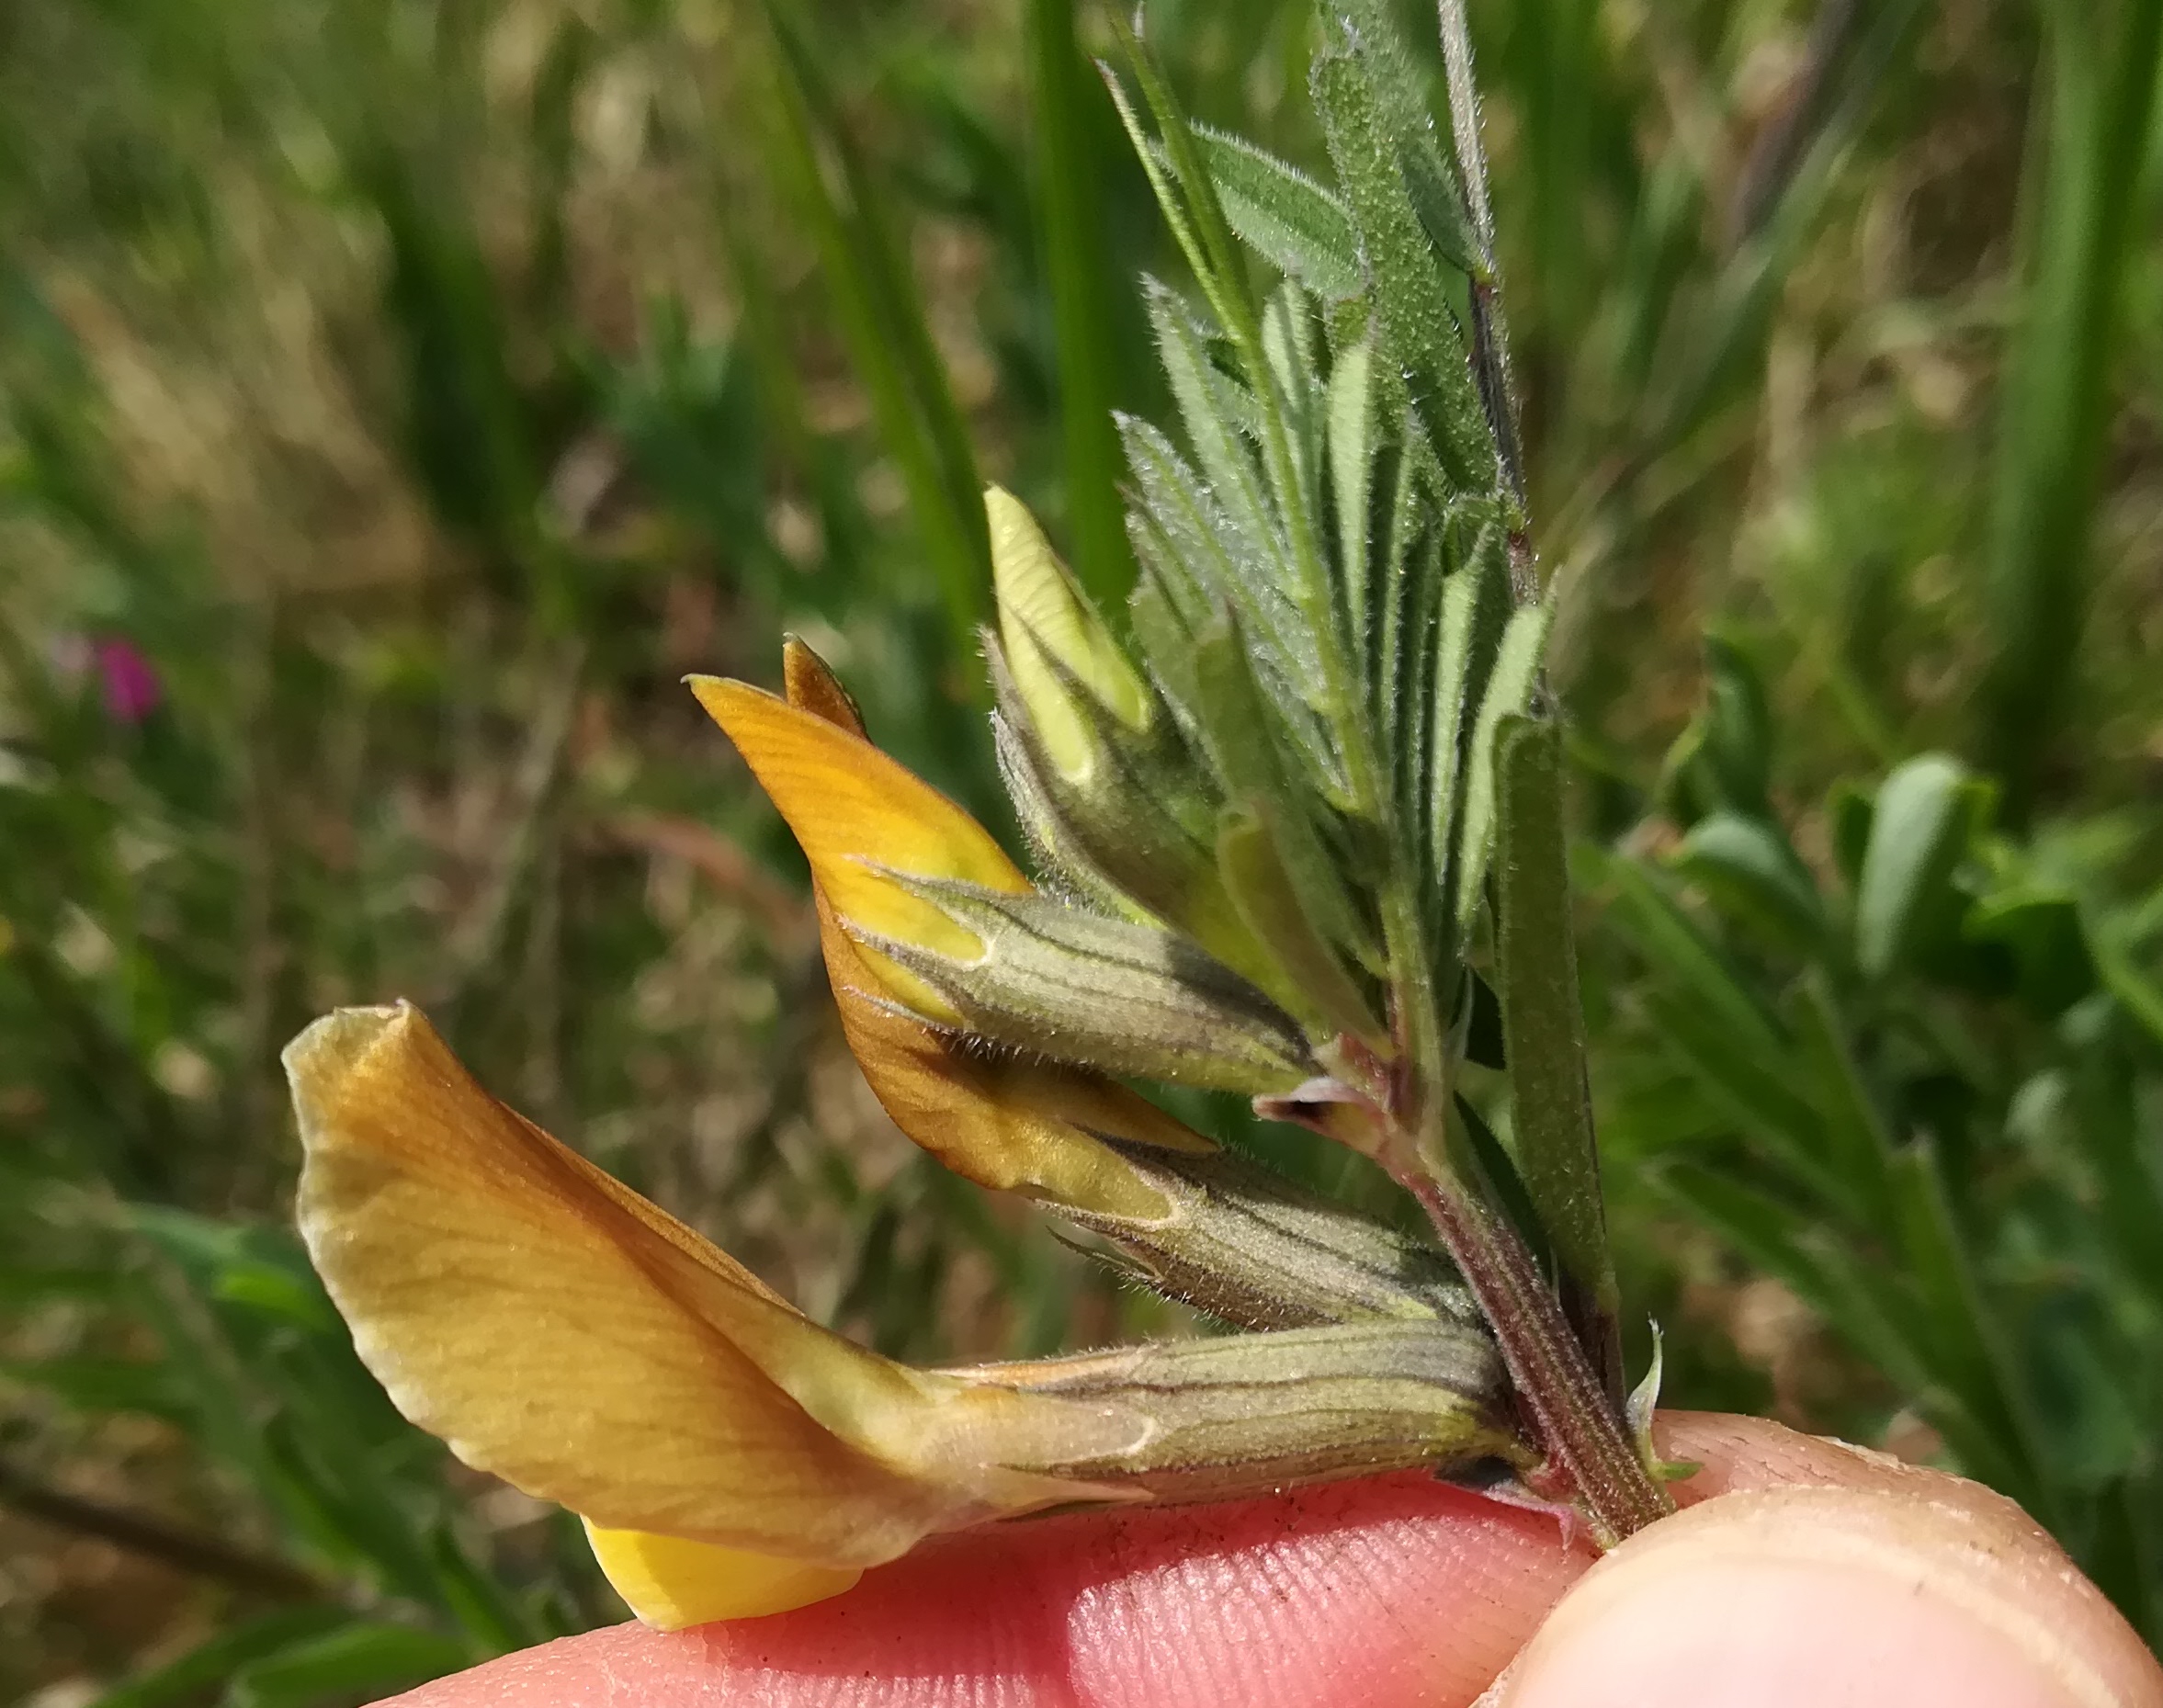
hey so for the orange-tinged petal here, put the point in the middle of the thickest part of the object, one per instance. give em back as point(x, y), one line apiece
point(1005, 1123)
point(855, 809)
point(560, 1331)
point(808, 684)
point(1011, 1124)
point(669, 1582)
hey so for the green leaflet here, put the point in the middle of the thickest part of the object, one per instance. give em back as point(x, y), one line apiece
point(1311, 976)
point(1399, 89)
point(1509, 690)
point(1294, 224)
point(1543, 1021)
point(1351, 448)
point(1475, 614)
point(1408, 292)
point(1233, 713)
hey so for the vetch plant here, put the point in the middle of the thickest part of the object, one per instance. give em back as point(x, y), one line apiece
point(1301, 839)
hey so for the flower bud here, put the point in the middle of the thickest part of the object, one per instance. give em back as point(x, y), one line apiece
point(1064, 661)
point(1078, 987)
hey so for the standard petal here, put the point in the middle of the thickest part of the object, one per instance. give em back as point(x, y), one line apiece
point(855, 809)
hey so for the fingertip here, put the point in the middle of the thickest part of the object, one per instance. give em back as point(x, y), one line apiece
point(1737, 1455)
point(1780, 1598)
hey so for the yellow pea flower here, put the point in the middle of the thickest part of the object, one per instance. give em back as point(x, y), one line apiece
point(1011, 1124)
point(855, 810)
point(731, 1457)
point(560, 1331)
point(951, 930)
point(1202, 1223)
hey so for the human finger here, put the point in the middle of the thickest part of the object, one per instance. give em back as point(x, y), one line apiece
point(1378, 1592)
point(1387, 1591)
point(1817, 1573)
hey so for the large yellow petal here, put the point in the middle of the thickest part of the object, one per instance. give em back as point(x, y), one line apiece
point(855, 809)
point(671, 1582)
point(560, 1331)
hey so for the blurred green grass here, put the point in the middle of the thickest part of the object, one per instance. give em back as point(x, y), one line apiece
point(402, 395)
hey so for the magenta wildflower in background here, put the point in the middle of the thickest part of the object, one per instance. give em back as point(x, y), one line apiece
point(128, 680)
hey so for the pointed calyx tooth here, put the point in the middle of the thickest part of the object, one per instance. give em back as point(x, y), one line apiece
point(1078, 987)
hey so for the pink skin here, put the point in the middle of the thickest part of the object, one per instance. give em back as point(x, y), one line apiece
point(1803, 1573)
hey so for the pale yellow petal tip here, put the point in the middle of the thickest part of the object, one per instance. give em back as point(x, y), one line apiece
point(1043, 614)
point(671, 1582)
point(319, 1060)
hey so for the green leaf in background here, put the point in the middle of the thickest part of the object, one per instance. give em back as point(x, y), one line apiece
point(1966, 1347)
point(358, 1663)
point(2094, 121)
point(881, 314)
point(2040, 929)
point(212, 1664)
point(1083, 287)
point(2140, 994)
point(1926, 811)
point(1751, 871)
point(1857, 1144)
point(1690, 965)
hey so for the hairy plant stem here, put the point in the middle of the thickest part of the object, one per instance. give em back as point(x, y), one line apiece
point(1586, 1443)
